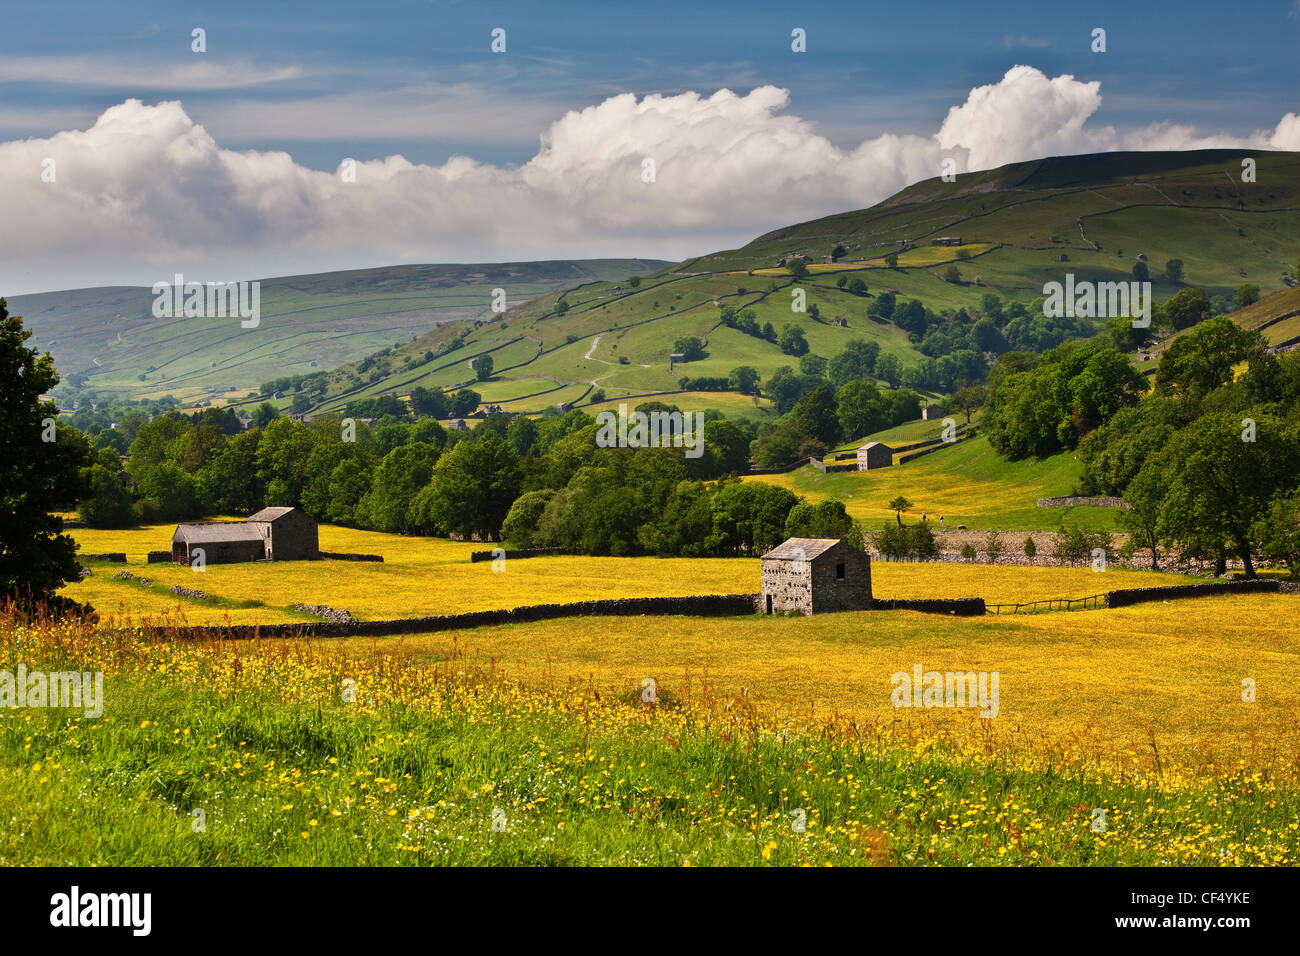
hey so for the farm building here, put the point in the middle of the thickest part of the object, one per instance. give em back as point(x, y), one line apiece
point(272, 534)
point(875, 454)
point(815, 575)
point(932, 412)
point(946, 241)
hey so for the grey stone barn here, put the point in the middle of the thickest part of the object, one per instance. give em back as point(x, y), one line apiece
point(272, 534)
point(815, 575)
point(932, 412)
point(875, 454)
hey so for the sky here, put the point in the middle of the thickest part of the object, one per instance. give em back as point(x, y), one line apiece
point(126, 155)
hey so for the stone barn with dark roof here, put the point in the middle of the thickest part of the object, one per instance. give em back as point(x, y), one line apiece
point(875, 454)
point(814, 576)
point(290, 533)
point(273, 534)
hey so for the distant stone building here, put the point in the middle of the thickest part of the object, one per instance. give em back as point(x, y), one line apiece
point(457, 425)
point(814, 576)
point(932, 412)
point(875, 454)
point(946, 241)
point(272, 534)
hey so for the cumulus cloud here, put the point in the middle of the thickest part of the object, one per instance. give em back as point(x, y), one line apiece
point(146, 191)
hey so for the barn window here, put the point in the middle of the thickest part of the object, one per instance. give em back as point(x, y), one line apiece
point(839, 572)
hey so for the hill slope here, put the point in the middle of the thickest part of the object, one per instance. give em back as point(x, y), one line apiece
point(1021, 226)
point(107, 338)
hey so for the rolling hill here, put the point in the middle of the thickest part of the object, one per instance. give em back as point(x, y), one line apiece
point(108, 339)
point(1020, 226)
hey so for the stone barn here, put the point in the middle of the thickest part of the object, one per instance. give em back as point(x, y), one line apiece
point(222, 542)
point(290, 534)
point(875, 454)
point(273, 534)
point(932, 412)
point(815, 575)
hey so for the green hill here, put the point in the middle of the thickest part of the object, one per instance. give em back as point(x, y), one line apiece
point(1021, 226)
point(107, 339)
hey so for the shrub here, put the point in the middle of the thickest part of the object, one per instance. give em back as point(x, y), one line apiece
point(1031, 549)
point(968, 552)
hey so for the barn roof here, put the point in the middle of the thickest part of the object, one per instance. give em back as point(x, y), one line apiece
point(218, 531)
point(269, 514)
point(873, 444)
point(800, 549)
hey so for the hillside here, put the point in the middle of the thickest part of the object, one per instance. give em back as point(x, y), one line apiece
point(1021, 225)
point(109, 340)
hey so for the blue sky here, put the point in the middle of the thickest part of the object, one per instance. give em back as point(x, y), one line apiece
point(870, 66)
point(231, 161)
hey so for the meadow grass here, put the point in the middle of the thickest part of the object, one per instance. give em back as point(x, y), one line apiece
point(257, 753)
point(427, 576)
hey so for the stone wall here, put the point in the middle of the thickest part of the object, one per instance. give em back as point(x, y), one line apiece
point(116, 557)
point(1140, 595)
point(349, 556)
point(963, 607)
point(477, 556)
point(1069, 500)
point(701, 605)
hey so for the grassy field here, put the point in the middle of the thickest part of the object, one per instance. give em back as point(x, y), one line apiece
point(767, 742)
point(425, 576)
point(968, 484)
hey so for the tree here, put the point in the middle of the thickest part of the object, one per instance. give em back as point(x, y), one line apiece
point(952, 274)
point(689, 347)
point(890, 369)
point(106, 502)
point(727, 447)
point(839, 252)
point(1215, 485)
point(634, 281)
point(400, 476)
point(825, 519)
point(562, 306)
point(1185, 309)
point(472, 489)
point(744, 379)
point(1278, 532)
point(429, 403)
point(264, 414)
point(861, 409)
point(1174, 271)
point(891, 260)
point(1245, 295)
point(41, 471)
point(968, 398)
point(813, 365)
point(464, 402)
point(1140, 271)
point(898, 506)
point(856, 361)
point(483, 367)
point(749, 517)
point(798, 268)
point(1203, 359)
point(522, 520)
point(792, 340)
point(814, 416)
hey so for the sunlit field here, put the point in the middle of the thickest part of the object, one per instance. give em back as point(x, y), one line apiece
point(378, 753)
point(427, 576)
point(1108, 677)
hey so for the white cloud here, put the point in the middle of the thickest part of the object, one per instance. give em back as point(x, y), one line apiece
point(146, 191)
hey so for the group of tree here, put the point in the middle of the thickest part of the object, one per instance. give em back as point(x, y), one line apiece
point(1209, 462)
